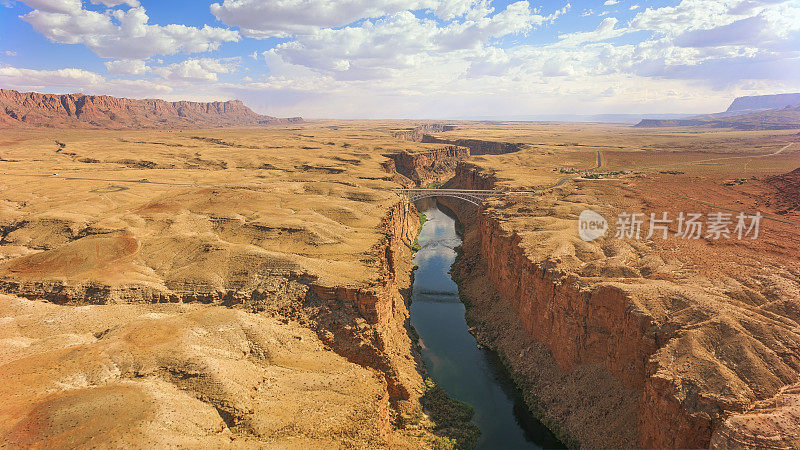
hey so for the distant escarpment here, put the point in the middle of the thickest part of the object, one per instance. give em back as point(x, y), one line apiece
point(761, 112)
point(91, 111)
point(787, 118)
point(763, 102)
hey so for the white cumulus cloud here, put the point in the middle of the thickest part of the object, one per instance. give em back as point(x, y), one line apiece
point(282, 18)
point(127, 67)
point(384, 47)
point(112, 3)
point(55, 6)
point(606, 30)
point(444, 58)
point(77, 80)
point(261, 19)
point(196, 69)
point(120, 34)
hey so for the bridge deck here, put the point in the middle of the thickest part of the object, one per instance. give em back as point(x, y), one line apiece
point(473, 196)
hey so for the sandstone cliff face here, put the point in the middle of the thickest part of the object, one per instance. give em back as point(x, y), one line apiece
point(786, 118)
point(584, 404)
point(467, 176)
point(434, 165)
point(308, 238)
point(477, 146)
point(438, 164)
point(89, 111)
point(365, 325)
point(578, 325)
point(417, 134)
point(380, 340)
point(762, 102)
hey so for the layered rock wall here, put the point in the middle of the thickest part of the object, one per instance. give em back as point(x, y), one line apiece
point(477, 146)
point(425, 167)
point(597, 326)
point(364, 323)
point(369, 324)
point(417, 134)
point(90, 111)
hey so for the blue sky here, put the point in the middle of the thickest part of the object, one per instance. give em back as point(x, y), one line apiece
point(408, 58)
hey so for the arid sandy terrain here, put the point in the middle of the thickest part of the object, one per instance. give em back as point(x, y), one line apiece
point(246, 285)
point(278, 256)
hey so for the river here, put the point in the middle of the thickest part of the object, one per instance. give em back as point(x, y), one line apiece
point(468, 373)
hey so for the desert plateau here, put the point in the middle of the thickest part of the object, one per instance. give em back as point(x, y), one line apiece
point(251, 286)
point(399, 224)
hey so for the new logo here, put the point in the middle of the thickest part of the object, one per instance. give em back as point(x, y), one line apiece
point(591, 225)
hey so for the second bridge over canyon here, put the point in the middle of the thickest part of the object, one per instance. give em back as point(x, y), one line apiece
point(473, 196)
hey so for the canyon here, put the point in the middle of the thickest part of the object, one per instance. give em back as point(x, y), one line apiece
point(622, 343)
point(438, 164)
point(418, 133)
point(251, 286)
point(429, 166)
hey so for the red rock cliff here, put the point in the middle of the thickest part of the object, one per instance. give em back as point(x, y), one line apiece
point(424, 167)
point(417, 134)
point(366, 324)
point(90, 111)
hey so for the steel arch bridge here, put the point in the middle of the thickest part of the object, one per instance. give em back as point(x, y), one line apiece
point(473, 196)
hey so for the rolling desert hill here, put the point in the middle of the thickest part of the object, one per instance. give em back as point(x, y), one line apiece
point(301, 222)
point(90, 111)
